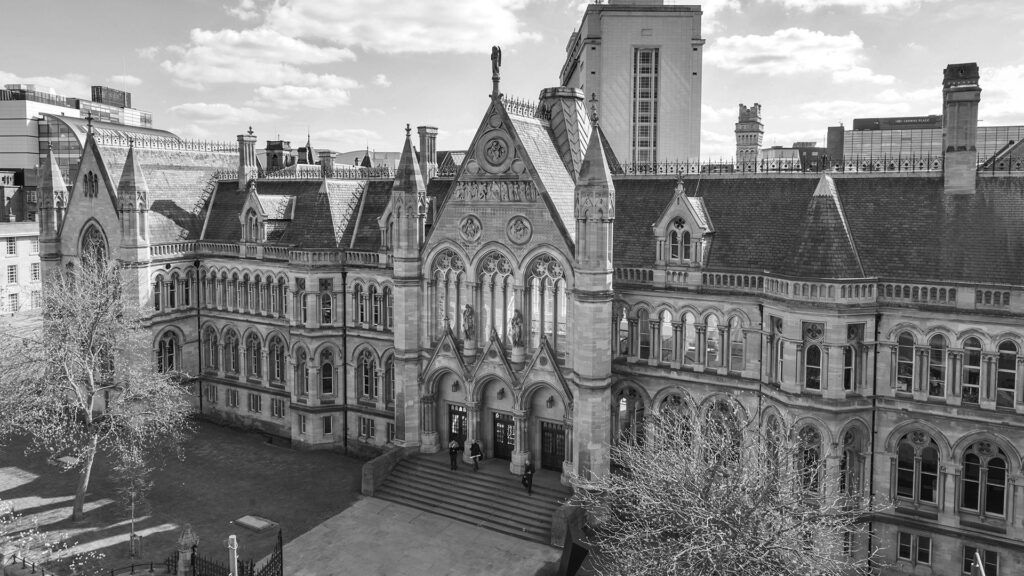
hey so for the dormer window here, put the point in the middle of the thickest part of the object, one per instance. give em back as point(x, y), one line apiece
point(252, 226)
point(679, 242)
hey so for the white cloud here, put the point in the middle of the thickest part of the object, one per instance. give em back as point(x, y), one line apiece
point(254, 56)
point(1001, 87)
point(220, 113)
point(381, 80)
point(711, 114)
point(73, 85)
point(322, 92)
point(715, 145)
point(245, 10)
point(712, 9)
point(888, 102)
point(795, 51)
point(410, 26)
point(118, 80)
point(865, 6)
point(148, 52)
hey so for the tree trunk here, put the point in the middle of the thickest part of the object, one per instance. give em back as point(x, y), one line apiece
point(78, 512)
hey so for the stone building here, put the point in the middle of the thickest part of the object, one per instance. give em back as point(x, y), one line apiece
point(543, 305)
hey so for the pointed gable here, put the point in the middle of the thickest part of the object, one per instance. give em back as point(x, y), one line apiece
point(824, 247)
point(594, 188)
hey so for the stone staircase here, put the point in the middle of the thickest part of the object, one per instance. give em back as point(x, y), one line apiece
point(491, 498)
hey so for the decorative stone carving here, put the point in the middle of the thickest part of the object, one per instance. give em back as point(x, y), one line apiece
point(495, 191)
point(813, 331)
point(470, 228)
point(519, 230)
point(517, 328)
point(495, 152)
point(468, 323)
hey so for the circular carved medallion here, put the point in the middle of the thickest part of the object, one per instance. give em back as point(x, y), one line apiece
point(470, 228)
point(519, 230)
point(494, 152)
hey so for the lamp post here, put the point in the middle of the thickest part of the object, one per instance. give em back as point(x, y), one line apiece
point(199, 336)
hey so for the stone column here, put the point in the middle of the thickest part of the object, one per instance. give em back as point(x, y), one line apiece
point(521, 452)
point(893, 369)
point(953, 377)
point(429, 437)
point(654, 328)
point(264, 365)
point(220, 358)
point(187, 542)
point(286, 296)
point(830, 478)
point(472, 423)
point(678, 348)
point(702, 350)
point(988, 380)
point(634, 339)
point(1018, 404)
point(920, 373)
point(567, 464)
point(289, 376)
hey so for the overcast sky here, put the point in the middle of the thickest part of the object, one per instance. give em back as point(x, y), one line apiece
point(356, 71)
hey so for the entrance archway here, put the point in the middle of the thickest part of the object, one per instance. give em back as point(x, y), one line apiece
point(497, 427)
point(546, 427)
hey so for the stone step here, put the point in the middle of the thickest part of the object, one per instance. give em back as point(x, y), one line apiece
point(519, 530)
point(499, 476)
point(511, 486)
point(490, 498)
point(473, 502)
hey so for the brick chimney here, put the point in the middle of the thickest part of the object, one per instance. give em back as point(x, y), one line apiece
point(428, 151)
point(246, 158)
point(960, 97)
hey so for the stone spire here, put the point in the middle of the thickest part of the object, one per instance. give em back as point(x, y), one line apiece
point(595, 192)
point(132, 189)
point(53, 198)
point(408, 201)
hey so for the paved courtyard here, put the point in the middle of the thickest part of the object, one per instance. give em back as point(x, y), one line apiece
point(375, 537)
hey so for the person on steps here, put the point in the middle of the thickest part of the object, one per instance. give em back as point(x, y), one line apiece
point(476, 454)
point(453, 453)
point(528, 477)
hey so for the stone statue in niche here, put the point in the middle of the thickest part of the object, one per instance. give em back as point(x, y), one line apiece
point(468, 322)
point(517, 329)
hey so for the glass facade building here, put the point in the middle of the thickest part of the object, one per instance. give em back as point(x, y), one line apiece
point(921, 143)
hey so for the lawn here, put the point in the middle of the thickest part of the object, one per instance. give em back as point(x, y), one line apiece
point(225, 474)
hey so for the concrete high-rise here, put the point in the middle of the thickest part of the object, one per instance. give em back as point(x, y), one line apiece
point(641, 60)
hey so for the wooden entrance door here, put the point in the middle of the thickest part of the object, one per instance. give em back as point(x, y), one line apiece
point(504, 436)
point(552, 446)
point(457, 423)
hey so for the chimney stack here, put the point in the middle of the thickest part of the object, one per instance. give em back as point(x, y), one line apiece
point(246, 158)
point(960, 97)
point(326, 162)
point(566, 109)
point(428, 152)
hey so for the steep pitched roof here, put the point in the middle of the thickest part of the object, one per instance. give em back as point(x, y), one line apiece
point(179, 181)
point(51, 181)
point(824, 246)
point(539, 146)
point(132, 186)
point(902, 228)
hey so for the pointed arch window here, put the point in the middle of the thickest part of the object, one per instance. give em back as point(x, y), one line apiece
point(917, 469)
point(167, 353)
point(301, 374)
point(810, 464)
point(277, 352)
point(849, 367)
point(666, 334)
point(937, 366)
point(357, 304)
point(252, 226)
point(621, 326)
point(629, 416)
point(366, 367)
point(984, 480)
point(689, 344)
point(446, 292)
point(326, 308)
point(158, 292)
point(172, 292)
point(736, 343)
point(326, 373)
point(644, 323)
point(713, 335)
point(231, 356)
point(211, 350)
point(375, 304)
point(547, 288)
point(253, 356)
point(812, 368)
point(389, 382)
point(497, 295)
point(851, 464)
point(1006, 375)
point(905, 362)
point(389, 308)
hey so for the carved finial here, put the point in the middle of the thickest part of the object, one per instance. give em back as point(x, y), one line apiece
point(88, 122)
point(593, 107)
point(495, 71)
point(250, 131)
point(408, 131)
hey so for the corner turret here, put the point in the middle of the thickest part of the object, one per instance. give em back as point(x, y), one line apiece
point(133, 208)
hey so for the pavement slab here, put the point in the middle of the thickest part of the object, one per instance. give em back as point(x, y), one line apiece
point(377, 537)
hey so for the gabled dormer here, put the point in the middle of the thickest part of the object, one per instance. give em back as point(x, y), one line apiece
point(252, 216)
point(683, 232)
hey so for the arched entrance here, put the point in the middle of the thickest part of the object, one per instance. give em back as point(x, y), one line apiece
point(451, 412)
point(546, 424)
point(497, 419)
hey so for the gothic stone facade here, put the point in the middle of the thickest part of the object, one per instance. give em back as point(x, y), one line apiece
point(541, 305)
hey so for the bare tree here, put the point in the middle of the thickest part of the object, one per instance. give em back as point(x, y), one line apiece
point(714, 495)
point(87, 381)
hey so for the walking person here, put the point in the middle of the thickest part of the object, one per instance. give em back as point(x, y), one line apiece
point(528, 477)
point(476, 454)
point(453, 453)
